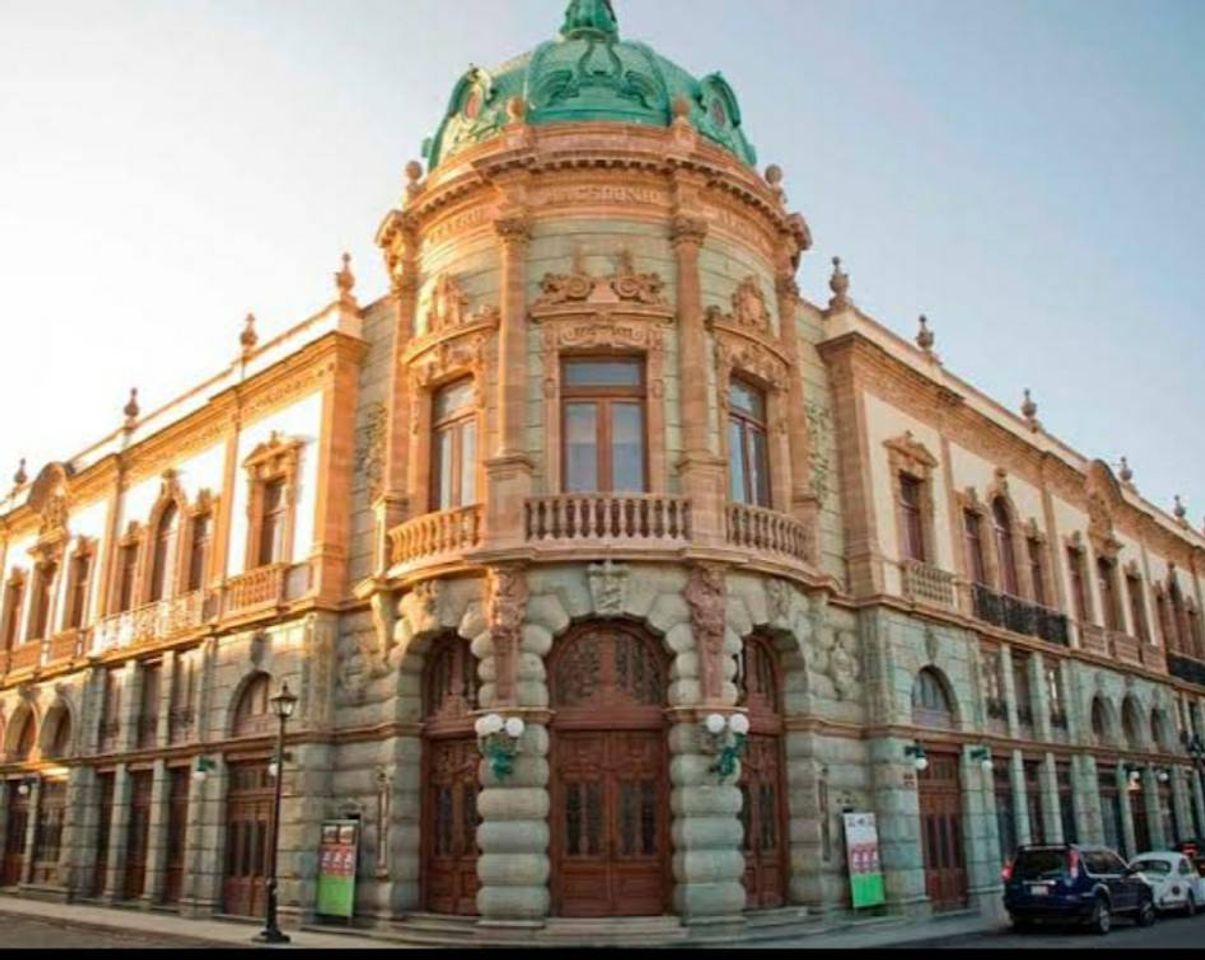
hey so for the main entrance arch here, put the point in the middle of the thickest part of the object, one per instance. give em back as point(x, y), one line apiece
point(611, 843)
point(451, 784)
point(763, 799)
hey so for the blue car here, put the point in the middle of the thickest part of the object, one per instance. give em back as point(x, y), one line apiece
point(1074, 883)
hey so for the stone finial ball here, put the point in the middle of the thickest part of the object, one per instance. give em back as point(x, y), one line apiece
point(774, 174)
point(414, 170)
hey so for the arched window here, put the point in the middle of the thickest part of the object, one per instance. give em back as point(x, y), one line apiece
point(1131, 725)
point(450, 690)
point(930, 703)
point(748, 462)
point(253, 716)
point(1004, 546)
point(1156, 739)
point(164, 556)
point(41, 595)
point(454, 443)
point(1178, 622)
point(60, 746)
point(198, 549)
point(26, 739)
point(1100, 723)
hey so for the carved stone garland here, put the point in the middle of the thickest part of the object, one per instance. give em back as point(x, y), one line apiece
point(705, 596)
point(505, 610)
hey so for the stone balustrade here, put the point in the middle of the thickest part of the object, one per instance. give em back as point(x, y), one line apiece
point(67, 645)
point(152, 622)
point(925, 583)
point(260, 587)
point(615, 518)
point(767, 531)
point(435, 535)
point(25, 656)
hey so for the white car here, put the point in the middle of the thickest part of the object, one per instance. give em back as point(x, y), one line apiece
point(1173, 879)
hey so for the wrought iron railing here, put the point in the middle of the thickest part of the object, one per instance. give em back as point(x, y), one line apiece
point(1186, 668)
point(1019, 616)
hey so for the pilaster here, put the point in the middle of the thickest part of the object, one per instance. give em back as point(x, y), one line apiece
point(201, 893)
point(1154, 818)
point(31, 830)
point(119, 834)
point(1016, 773)
point(897, 812)
point(156, 849)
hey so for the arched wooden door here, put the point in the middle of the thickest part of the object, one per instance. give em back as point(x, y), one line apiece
point(611, 844)
point(450, 778)
point(248, 823)
point(940, 789)
point(763, 799)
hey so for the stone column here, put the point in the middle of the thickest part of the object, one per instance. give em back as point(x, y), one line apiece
point(119, 834)
point(1052, 812)
point(31, 830)
point(1016, 772)
point(1089, 814)
point(1154, 817)
point(166, 684)
point(1198, 796)
point(509, 469)
point(1010, 692)
point(78, 849)
point(131, 703)
point(1039, 699)
point(701, 470)
point(897, 812)
point(513, 834)
point(156, 850)
point(204, 850)
point(981, 840)
point(400, 864)
point(1127, 815)
point(1182, 803)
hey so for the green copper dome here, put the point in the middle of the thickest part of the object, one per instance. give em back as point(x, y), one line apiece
point(587, 74)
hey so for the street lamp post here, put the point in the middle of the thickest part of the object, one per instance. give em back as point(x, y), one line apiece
point(282, 705)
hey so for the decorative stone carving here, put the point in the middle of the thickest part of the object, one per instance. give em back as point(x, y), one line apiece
point(505, 609)
point(608, 587)
point(778, 600)
point(844, 669)
point(704, 595)
point(625, 285)
point(932, 644)
point(447, 359)
point(748, 309)
point(688, 229)
point(370, 449)
point(448, 307)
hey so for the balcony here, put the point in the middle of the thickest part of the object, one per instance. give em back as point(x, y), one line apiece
point(66, 646)
point(770, 532)
point(436, 536)
point(153, 622)
point(924, 583)
point(1186, 668)
point(265, 588)
point(25, 656)
point(618, 520)
point(1019, 616)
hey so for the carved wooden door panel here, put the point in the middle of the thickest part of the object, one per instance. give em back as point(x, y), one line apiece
point(940, 796)
point(610, 822)
point(177, 833)
point(763, 798)
point(139, 834)
point(16, 828)
point(248, 823)
point(104, 825)
point(450, 826)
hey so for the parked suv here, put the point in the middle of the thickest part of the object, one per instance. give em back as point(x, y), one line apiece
point(1070, 882)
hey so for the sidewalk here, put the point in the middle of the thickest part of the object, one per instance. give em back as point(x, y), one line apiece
point(888, 932)
point(221, 933)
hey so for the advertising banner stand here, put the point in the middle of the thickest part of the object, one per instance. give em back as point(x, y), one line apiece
point(862, 854)
point(337, 857)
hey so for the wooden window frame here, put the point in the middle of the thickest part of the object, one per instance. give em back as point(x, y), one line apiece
point(162, 572)
point(1077, 576)
point(605, 397)
point(455, 422)
point(79, 586)
point(977, 567)
point(131, 541)
point(39, 617)
point(14, 606)
point(907, 457)
point(204, 509)
point(1111, 615)
point(749, 424)
point(277, 459)
point(1004, 545)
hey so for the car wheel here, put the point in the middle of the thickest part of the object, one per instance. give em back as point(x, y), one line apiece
point(1101, 919)
point(1146, 913)
point(1190, 905)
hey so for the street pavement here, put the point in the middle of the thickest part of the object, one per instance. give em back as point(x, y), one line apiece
point(20, 931)
point(1170, 930)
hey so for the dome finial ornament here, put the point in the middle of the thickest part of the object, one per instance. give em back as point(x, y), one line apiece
point(584, 17)
point(248, 338)
point(1181, 512)
point(20, 476)
point(345, 282)
point(1029, 410)
point(131, 409)
point(924, 336)
point(1126, 474)
point(839, 284)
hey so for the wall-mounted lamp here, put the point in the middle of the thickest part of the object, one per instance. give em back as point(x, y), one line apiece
point(1162, 775)
point(725, 736)
point(202, 769)
point(498, 741)
point(1133, 777)
point(26, 785)
point(921, 762)
point(984, 756)
point(1195, 747)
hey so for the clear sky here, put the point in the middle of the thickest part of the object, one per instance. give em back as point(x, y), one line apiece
point(1028, 173)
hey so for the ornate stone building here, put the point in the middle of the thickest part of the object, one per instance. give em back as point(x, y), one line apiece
point(593, 464)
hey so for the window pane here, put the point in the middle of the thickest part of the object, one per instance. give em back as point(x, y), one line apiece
point(468, 463)
point(454, 398)
point(739, 490)
point(581, 447)
point(747, 399)
point(603, 373)
point(627, 447)
point(443, 467)
point(759, 473)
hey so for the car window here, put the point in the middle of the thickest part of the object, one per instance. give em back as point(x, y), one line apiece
point(1152, 866)
point(1040, 864)
point(1116, 864)
point(1096, 863)
point(1183, 868)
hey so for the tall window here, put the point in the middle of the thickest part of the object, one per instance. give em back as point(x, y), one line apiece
point(454, 435)
point(1194, 632)
point(198, 549)
point(127, 566)
point(973, 537)
point(603, 412)
point(1054, 696)
point(1179, 624)
point(14, 596)
point(748, 463)
point(931, 705)
point(911, 514)
point(77, 591)
point(1037, 570)
point(1137, 607)
point(1021, 689)
point(1108, 593)
point(272, 523)
point(1165, 624)
point(163, 560)
point(1075, 566)
point(43, 588)
point(1002, 524)
point(148, 707)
